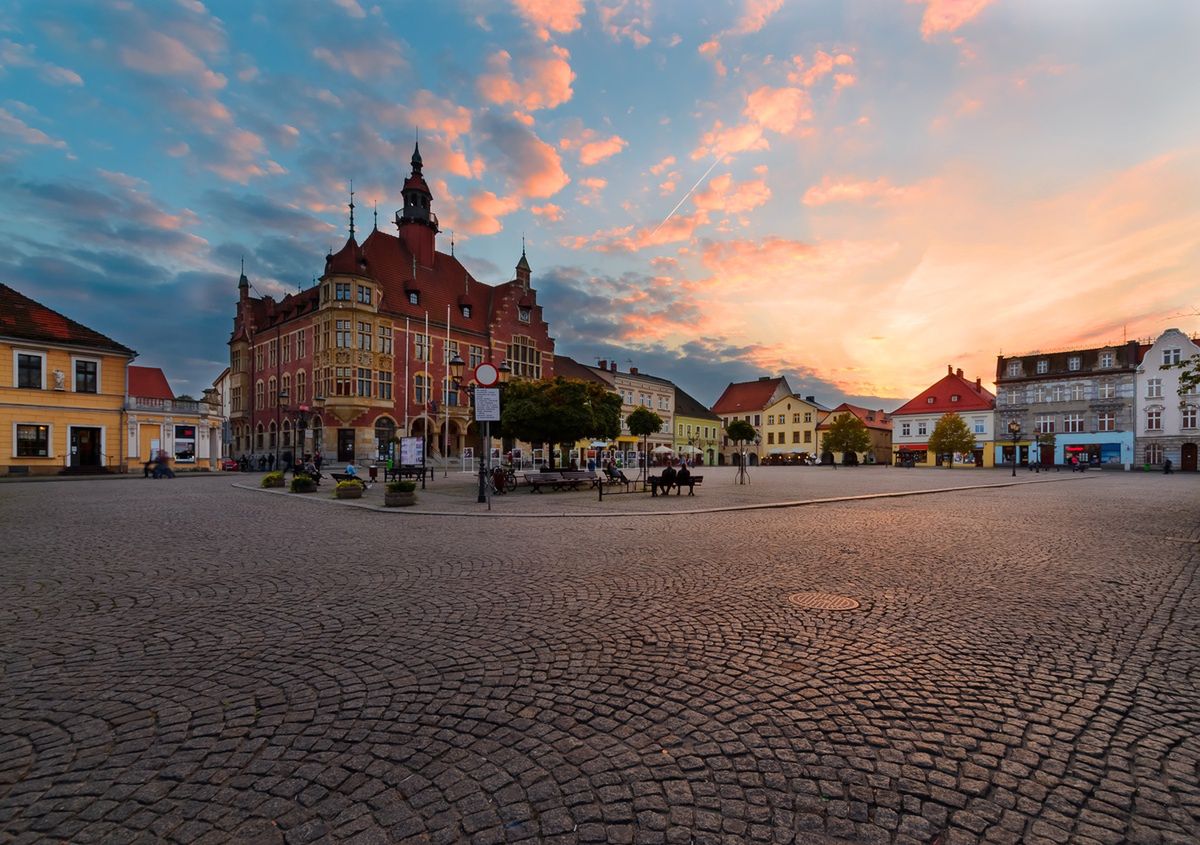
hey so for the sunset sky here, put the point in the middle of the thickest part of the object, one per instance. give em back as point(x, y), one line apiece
point(880, 188)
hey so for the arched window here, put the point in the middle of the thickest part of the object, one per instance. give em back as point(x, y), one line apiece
point(287, 434)
point(258, 396)
point(420, 382)
point(450, 392)
point(385, 430)
point(272, 392)
point(286, 387)
point(301, 387)
point(259, 435)
point(271, 435)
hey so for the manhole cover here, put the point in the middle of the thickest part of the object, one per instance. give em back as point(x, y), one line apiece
point(822, 601)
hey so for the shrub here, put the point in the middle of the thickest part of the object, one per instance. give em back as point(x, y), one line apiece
point(303, 484)
point(353, 482)
point(401, 486)
point(273, 479)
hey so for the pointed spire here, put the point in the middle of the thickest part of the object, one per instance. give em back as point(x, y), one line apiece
point(243, 282)
point(416, 158)
point(451, 243)
point(351, 208)
point(375, 228)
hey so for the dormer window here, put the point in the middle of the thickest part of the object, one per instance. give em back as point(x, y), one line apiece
point(1014, 368)
point(954, 397)
point(466, 311)
point(929, 401)
point(414, 298)
point(1043, 366)
point(1073, 363)
point(523, 314)
point(1106, 359)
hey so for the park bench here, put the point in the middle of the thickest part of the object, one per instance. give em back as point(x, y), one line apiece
point(343, 476)
point(408, 471)
point(565, 480)
point(656, 483)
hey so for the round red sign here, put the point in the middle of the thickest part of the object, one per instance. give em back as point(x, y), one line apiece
point(486, 375)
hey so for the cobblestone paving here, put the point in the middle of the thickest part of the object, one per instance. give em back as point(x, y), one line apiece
point(185, 661)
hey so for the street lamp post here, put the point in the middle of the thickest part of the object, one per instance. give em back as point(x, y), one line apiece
point(280, 399)
point(457, 368)
point(1014, 431)
point(303, 414)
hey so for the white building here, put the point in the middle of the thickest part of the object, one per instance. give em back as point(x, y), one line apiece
point(1166, 420)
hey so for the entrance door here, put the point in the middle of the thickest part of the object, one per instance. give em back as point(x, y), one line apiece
point(1187, 459)
point(85, 447)
point(345, 444)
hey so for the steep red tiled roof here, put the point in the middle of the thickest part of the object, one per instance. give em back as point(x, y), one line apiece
point(870, 418)
point(348, 259)
point(570, 368)
point(149, 383)
point(746, 396)
point(22, 317)
point(972, 396)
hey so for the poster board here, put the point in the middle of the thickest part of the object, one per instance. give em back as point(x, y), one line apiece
point(412, 451)
point(487, 404)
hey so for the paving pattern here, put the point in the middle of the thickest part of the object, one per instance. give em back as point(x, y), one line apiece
point(185, 661)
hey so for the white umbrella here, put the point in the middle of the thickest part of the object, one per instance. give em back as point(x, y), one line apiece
point(689, 450)
point(661, 450)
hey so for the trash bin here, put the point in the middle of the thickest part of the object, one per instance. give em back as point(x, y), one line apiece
point(373, 473)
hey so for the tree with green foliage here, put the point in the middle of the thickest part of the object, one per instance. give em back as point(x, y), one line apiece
point(643, 422)
point(559, 411)
point(846, 434)
point(741, 433)
point(951, 435)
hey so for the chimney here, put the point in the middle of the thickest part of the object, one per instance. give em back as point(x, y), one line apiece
point(979, 385)
point(604, 363)
point(958, 372)
point(633, 371)
point(612, 366)
point(949, 369)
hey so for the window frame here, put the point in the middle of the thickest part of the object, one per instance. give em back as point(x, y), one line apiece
point(17, 425)
point(16, 371)
point(76, 360)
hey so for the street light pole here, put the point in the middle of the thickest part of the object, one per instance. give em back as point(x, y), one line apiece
point(457, 367)
point(1014, 431)
point(279, 400)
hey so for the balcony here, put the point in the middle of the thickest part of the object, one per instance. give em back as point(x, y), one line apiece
point(180, 406)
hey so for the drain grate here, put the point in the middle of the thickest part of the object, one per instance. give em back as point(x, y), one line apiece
point(823, 601)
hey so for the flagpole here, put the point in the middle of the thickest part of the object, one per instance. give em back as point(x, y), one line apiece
point(407, 343)
point(428, 392)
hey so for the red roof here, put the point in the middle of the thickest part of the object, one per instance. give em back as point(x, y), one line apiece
point(871, 419)
point(972, 396)
point(349, 259)
point(149, 383)
point(21, 317)
point(743, 396)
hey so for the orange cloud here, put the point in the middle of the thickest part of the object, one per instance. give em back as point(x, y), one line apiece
point(593, 150)
point(657, 169)
point(755, 15)
point(158, 54)
point(626, 19)
point(821, 66)
point(778, 109)
point(486, 209)
point(879, 191)
point(545, 82)
point(710, 50)
point(546, 16)
point(431, 113)
point(948, 15)
point(728, 197)
point(727, 140)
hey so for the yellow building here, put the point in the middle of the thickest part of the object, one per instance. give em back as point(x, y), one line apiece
point(789, 429)
point(189, 431)
point(697, 431)
point(62, 392)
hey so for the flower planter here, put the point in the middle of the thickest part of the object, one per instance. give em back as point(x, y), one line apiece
point(304, 488)
point(353, 492)
point(399, 500)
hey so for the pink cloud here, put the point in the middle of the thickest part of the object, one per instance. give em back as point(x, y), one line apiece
point(12, 126)
point(546, 16)
point(725, 196)
point(625, 19)
point(13, 54)
point(657, 169)
point(755, 14)
point(778, 109)
point(159, 54)
point(532, 167)
point(486, 209)
point(592, 186)
point(856, 190)
point(727, 140)
point(808, 74)
point(434, 114)
point(948, 15)
point(549, 211)
point(365, 61)
point(710, 51)
point(545, 81)
point(593, 150)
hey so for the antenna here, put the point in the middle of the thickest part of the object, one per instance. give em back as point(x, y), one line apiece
point(352, 208)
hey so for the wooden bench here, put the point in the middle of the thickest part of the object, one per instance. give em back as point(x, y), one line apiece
point(656, 483)
point(414, 471)
point(343, 476)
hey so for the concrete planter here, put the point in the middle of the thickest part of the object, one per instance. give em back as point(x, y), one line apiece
point(399, 500)
point(350, 491)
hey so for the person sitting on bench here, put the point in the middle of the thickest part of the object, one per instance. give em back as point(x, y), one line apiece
point(684, 476)
point(665, 480)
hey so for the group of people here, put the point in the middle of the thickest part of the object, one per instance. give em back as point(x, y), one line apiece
point(266, 463)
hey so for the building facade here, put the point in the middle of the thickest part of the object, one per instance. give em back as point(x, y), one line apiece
point(62, 392)
point(697, 430)
point(1082, 401)
point(1166, 419)
point(789, 429)
point(748, 401)
point(188, 430)
point(363, 357)
point(914, 421)
point(879, 429)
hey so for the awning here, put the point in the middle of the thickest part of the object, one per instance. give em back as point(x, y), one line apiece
point(911, 447)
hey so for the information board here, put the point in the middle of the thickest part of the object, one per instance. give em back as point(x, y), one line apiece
point(487, 404)
point(411, 451)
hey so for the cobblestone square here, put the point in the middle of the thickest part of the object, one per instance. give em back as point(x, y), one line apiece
point(189, 661)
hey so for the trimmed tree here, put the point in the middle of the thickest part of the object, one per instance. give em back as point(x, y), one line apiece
point(642, 423)
point(559, 411)
point(950, 435)
point(741, 433)
point(846, 434)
